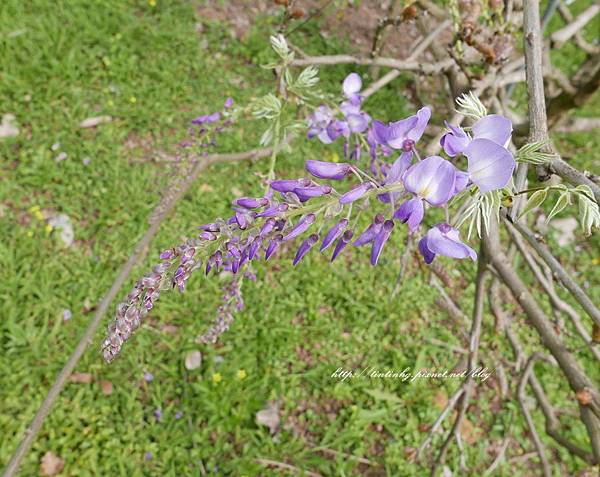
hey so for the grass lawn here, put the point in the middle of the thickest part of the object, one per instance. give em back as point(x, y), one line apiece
point(152, 68)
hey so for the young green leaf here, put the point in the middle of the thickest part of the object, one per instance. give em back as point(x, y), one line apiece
point(535, 200)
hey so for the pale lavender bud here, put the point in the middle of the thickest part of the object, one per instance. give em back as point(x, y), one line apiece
point(208, 236)
point(334, 233)
point(303, 224)
point(328, 170)
point(251, 203)
point(380, 241)
point(356, 193)
point(273, 245)
point(267, 228)
point(371, 232)
point(306, 193)
point(273, 210)
point(284, 186)
point(305, 247)
point(342, 243)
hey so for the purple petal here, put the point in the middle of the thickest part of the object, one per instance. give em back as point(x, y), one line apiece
point(228, 103)
point(455, 141)
point(432, 179)
point(379, 133)
point(341, 244)
point(417, 131)
point(411, 212)
point(494, 127)
point(356, 193)
point(461, 182)
point(398, 168)
point(380, 241)
point(350, 107)
point(266, 229)
point(442, 239)
point(305, 247)
point(358, 122)
point(337, 128)
point(428, 255)
point(398, 131)
point(303, 224)
point(328, 170)
point(490, 165)
point(352, 84)
point(334, 233)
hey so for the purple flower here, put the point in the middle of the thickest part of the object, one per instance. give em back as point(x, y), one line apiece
point(179, 414)
point(228, 103)
point(147, 456)
point(342, 243)
point(490, 165)
point(334, 233)
point(356, 193)
point(402, 134)
point(338, 128)
point(411, 212)
point(431, 179)
point(148, 377)
point(398, 168)
point(328, 170)
point(493, 127)
point(158, 414)
point(352, 85)
point(455, 141)
point(380, 241)
point(303, 224)
point(318, 122)
point(266, 229)
point(305, 247)
point(442, 239)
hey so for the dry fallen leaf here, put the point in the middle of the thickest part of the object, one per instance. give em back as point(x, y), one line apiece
point(193, 360)
point(468, 431)
point(81, 378)
point(106, 386)
point(440, 399)
point(206, 188)
point(95, 121)
point(269, 416)
point(51, 464)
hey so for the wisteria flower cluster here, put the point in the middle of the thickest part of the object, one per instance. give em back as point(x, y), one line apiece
point(390, 182)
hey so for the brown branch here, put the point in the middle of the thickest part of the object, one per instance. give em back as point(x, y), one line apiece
point(136, 257)
point(555, 300)
point(552, 422)
point(405, 65)
point(539, 446)
point(578, 37)
point(560, 37)
point(578, 380)
point(558, 270)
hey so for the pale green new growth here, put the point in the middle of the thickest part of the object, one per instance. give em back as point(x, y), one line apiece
point(470, 105)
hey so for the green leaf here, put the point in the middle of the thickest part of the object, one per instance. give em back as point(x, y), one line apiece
point(535, 200)
point(380, 395)
point(563, 200)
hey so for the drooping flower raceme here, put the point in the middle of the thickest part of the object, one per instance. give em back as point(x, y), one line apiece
point(319, 212)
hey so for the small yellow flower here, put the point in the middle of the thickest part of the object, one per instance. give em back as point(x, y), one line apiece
point(334, 157)
point(217, 378)
point(30, 233)
point(33, 208)
point(354, 408)
point(596, 261)
point(133, 100)
point(106, 60)
point(241, 374)
point(38, 215)
point(152, 3)
point(48, 229)
point(110, 103)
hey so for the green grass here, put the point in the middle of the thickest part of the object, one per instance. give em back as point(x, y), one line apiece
point(145, 66)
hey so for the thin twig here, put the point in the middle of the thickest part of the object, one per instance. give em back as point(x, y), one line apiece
point(539, 446)
point(426, 68)
point(283, 465)
point(560, 37)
